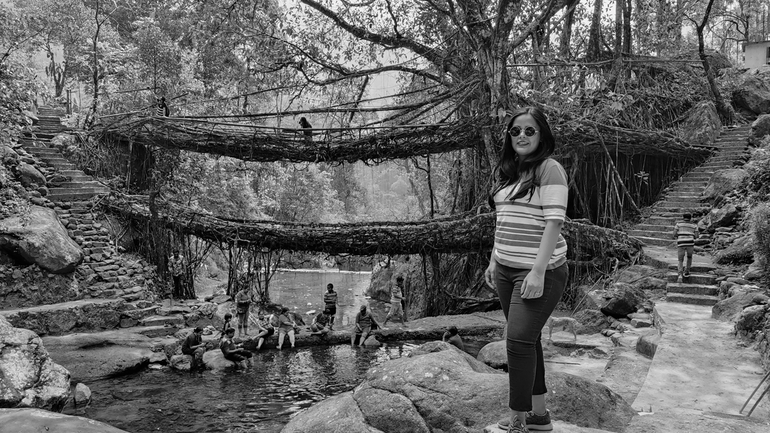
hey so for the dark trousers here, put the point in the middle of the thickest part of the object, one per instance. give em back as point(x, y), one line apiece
point(526, 318)
point(177, 286)
point(239, 356)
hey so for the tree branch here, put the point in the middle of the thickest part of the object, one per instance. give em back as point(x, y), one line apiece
point(430, 54)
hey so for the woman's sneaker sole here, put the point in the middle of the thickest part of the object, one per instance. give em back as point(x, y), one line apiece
point(532, 422)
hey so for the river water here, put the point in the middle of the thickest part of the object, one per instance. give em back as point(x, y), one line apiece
point(261, 397)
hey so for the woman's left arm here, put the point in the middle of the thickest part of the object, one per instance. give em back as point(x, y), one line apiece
point(532, 287)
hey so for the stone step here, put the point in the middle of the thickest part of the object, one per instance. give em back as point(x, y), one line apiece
point(692, 299)
point(647, 240)
point(695, 268)
point(176, 321)
point(62, 165)
point(40, 135)
point(44, 151)
point(81, 184)
point(86, 315)
point(657, 220)
point(703, 279)
point(60, 197)
point(674, 208)
point(75, 175)
point(655, 228)
point(687, 189)
point(692, 289)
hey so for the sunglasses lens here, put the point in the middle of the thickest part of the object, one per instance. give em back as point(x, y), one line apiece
point(515, 131)
point(529, 131)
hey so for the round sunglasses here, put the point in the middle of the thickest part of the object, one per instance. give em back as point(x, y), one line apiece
point(528, 131)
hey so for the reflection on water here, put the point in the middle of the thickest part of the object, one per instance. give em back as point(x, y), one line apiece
point(303, 291)
point(258, 398)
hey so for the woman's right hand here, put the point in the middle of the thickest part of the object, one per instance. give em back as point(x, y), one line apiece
point(489, 274)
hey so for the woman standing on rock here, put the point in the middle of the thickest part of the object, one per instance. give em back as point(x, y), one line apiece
point(528, 263)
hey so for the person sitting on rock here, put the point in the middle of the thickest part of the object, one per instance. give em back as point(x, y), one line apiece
point(452, 337)
point(194, 346)
point(320, 325)
point(264, 329)
point(232, 351)
point(364, 324)
point(285, 326)
point(227, 325)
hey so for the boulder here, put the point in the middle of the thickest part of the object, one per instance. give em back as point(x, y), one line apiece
point(753, 318)
point(371, 341)
point(494, 354)
point(181, 362)
point(215, 360)
point(82, 395)
point(728, 309)
point(753, 95)
point(94, 356)
point(39, 238)
point(723, 182)
point(36, 420)
point(8, 156)
point(760, 128)
point(32, 118)
point(29, 175)
point(702, 124)
point(591, 321)
point(28, 375)
point(740, 251)
point(622, 299)
point(440, 388)
point(643, 277)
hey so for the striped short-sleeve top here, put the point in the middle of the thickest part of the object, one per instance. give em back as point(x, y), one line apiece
point(520, 223)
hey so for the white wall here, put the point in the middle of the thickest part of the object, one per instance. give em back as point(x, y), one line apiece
point(755, 54)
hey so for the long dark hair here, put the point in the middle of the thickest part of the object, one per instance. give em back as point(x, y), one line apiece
point(511, 168)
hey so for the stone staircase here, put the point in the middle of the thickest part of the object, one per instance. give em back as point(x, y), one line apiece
point(656, 231)
point(699, 288)
point(684, 195)
point(115, 286)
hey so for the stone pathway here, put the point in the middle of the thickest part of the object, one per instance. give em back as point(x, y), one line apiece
point(701, 373)
point(700, 377)
point(684, 195)
point(105, 274)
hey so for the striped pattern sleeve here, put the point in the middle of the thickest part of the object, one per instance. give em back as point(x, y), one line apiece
point(553, 191)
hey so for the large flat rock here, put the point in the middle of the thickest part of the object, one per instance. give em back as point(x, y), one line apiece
point(68, 317)
point(91, 356)
point(37, 420)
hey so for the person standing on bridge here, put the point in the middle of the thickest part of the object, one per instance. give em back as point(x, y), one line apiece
point(161, 109)
point(528, 265)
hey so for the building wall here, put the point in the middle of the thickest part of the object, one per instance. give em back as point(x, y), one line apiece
point(756, 54)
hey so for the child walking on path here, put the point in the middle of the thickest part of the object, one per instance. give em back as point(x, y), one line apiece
point(685, 233)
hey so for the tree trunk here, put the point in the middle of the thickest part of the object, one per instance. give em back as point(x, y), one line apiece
point(595, 33)
point(725, 111)
point(566, 34)
point(617, 54)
